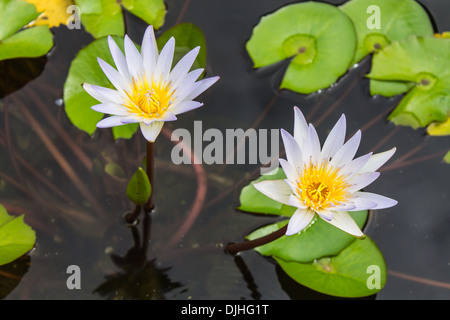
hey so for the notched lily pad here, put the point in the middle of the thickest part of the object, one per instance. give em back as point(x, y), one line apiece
point(422, 64)
point(318, 38)
point(359, 270)
point(319, 240)
point(381, 22)
point(16, 237)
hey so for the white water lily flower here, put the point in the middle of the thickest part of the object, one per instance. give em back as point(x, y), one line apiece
point(147, 90)
point(326, 181)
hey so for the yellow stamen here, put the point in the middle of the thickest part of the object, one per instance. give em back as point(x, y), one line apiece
point(321, 186)
point(149, 101)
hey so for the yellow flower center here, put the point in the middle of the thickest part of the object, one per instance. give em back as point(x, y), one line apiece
point(321, 186)
point(149, 101)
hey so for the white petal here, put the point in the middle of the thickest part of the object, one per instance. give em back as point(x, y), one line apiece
point(300, 127)
point(299, 220)
point(347, 151)
point(186, 83)
point(359, 181)
point(325, 214)
point(277, 190)
point(117, 80)
point(185, 106)
point(377, 160)
point(165, 61)
point(151, 131)
point(134, 59)
point(111, 108)
point(289, 170)
point(360, 204)
point(335, 139)
point(345, 222)
point(293, 152)
point(167, 116)
point(184, 65)
point(112, 121)
point(382, 202)
point(296, 202)
point(355, 165)
point(311, 148)
point(347, 206)
point(119, 59)
point(103, 94)
point(201, 86)
point(149, 51)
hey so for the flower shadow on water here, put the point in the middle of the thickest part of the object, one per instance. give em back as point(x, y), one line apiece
point(139, 277)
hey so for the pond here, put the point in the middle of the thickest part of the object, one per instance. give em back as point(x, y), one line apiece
point(53, 173)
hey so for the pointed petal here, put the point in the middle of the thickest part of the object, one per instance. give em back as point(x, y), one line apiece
point(103, 94)
point(185, 106)
point(119, 59)
point(300, 127)
point(335, 139)
point(201, 86)
point(167, 116)
point(184, 65)
point(151, 131)
point(311, 148)
point(165, 61)
point(112, 121)
point(277, 190)
point(345, 222)
point(134, 60)
point(111, 108)
point(361, 180)
point(149, 51)
point(347, 151)
point(377, 160)
point(355, 165)
point(295, 201)
point(299, 220)
point(381, 202)
point(293, 153)
point(360, 204)
point(117, 80)
point(289, 170)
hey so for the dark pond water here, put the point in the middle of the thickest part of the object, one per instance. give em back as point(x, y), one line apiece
point(53, 173)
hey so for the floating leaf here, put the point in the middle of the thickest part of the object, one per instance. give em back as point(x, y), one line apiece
point(319, 240)
point(357, 271)
point(139, 188)
point(379, 22)
point(85, 69)
point(319, 39)
point(105, 17)
point(439, 128)
point(16, 237)
point(424, 62)
point(19, 42)
point(447, 157)
point(53, 13)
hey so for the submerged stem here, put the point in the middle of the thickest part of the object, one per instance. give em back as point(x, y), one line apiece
point(234, 248)
point(150, 173)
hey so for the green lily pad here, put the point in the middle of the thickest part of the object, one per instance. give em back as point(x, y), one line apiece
point(439, 128)
point(425, 63)
point(447, 157)
point(357, 271)
point(16, 237)
point(381, 22)
point(85, 69)
point(320, 239)
point(17, 41)
point(319, 39)
point(105, 17)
